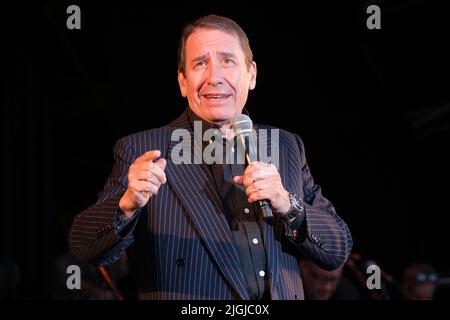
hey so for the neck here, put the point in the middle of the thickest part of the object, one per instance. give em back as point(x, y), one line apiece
point(224, 126)
point(227, 132)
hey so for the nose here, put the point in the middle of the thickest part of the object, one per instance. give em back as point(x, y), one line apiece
point(215, 75)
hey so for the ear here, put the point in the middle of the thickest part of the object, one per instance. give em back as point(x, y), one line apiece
point(252, 72)
point(182, 84)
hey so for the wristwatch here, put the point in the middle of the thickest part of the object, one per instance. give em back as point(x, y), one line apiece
point(296, 210)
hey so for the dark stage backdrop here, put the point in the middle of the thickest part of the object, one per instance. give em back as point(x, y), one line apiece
point(372, 107)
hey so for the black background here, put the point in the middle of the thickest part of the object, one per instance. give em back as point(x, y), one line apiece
point(372, 107)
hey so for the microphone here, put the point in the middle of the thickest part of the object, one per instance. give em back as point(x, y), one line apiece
point(242, 126)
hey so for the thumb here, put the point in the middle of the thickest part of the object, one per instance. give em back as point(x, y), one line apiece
point(238, 179)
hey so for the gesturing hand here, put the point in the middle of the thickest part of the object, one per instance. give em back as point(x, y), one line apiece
point(145, 176)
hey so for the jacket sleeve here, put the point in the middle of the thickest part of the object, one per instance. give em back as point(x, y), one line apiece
point(323, 236)
point(98, 235)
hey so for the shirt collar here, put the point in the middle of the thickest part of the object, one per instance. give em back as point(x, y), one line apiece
point(205, 124)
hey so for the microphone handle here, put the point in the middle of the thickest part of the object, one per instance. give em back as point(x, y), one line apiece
point(265, 209)
point(262, 205)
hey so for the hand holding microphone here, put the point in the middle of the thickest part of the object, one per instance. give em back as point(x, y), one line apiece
point(261, 180)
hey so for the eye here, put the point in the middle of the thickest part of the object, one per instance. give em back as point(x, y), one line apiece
point(200, 63)
point(228, 61)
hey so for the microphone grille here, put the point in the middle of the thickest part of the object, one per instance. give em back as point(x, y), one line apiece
point(241, 124)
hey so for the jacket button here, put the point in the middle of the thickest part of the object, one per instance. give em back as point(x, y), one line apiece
point(181, 262)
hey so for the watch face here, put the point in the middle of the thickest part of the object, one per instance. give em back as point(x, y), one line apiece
point(298, 203)
point(296, 208)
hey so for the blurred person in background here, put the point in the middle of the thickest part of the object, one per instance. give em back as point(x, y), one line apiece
point(320, 284)
point(419, 282)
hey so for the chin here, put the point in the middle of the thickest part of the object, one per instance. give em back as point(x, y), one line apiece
point(222, 116)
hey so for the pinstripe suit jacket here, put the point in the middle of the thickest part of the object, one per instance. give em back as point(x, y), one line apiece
point(180, 245)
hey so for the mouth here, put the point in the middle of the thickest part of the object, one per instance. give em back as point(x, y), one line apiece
point(216, 96)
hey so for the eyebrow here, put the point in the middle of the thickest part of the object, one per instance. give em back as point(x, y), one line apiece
point(221, 53)
point(227, 54)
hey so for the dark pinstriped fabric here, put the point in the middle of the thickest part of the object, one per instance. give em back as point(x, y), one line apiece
point(180, 245)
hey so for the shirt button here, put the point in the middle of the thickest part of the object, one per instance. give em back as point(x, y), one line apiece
point(181, 262)
point(262, 273)
point(246, 210)
point(255, 241)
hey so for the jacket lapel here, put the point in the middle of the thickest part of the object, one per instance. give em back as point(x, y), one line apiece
point(194, 185)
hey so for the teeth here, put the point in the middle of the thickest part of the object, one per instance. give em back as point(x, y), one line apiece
point(220, 96)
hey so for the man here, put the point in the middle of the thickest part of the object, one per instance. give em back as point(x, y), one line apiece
point(320, 284)
point(191, 230)
point(419, 282)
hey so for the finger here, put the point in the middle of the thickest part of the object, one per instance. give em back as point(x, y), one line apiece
point(158, 172)
point(249, 180)
point(149, 177)
point(252, 168)
point(148, 194)
point(149, 156)
point(139, 172)
point(257, 165)
point(161, 163)
point(153, 189)
point(252, 174)
point(140, 186)
point(238, 179)
point(259, 195)
point(145, 194)
point(258, 185)
point(147, 187)
point(259, 175)
point(261, 167)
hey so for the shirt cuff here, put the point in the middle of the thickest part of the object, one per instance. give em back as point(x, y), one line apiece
point(122, 221)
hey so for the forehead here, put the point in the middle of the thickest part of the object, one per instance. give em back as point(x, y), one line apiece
point(203, 41)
